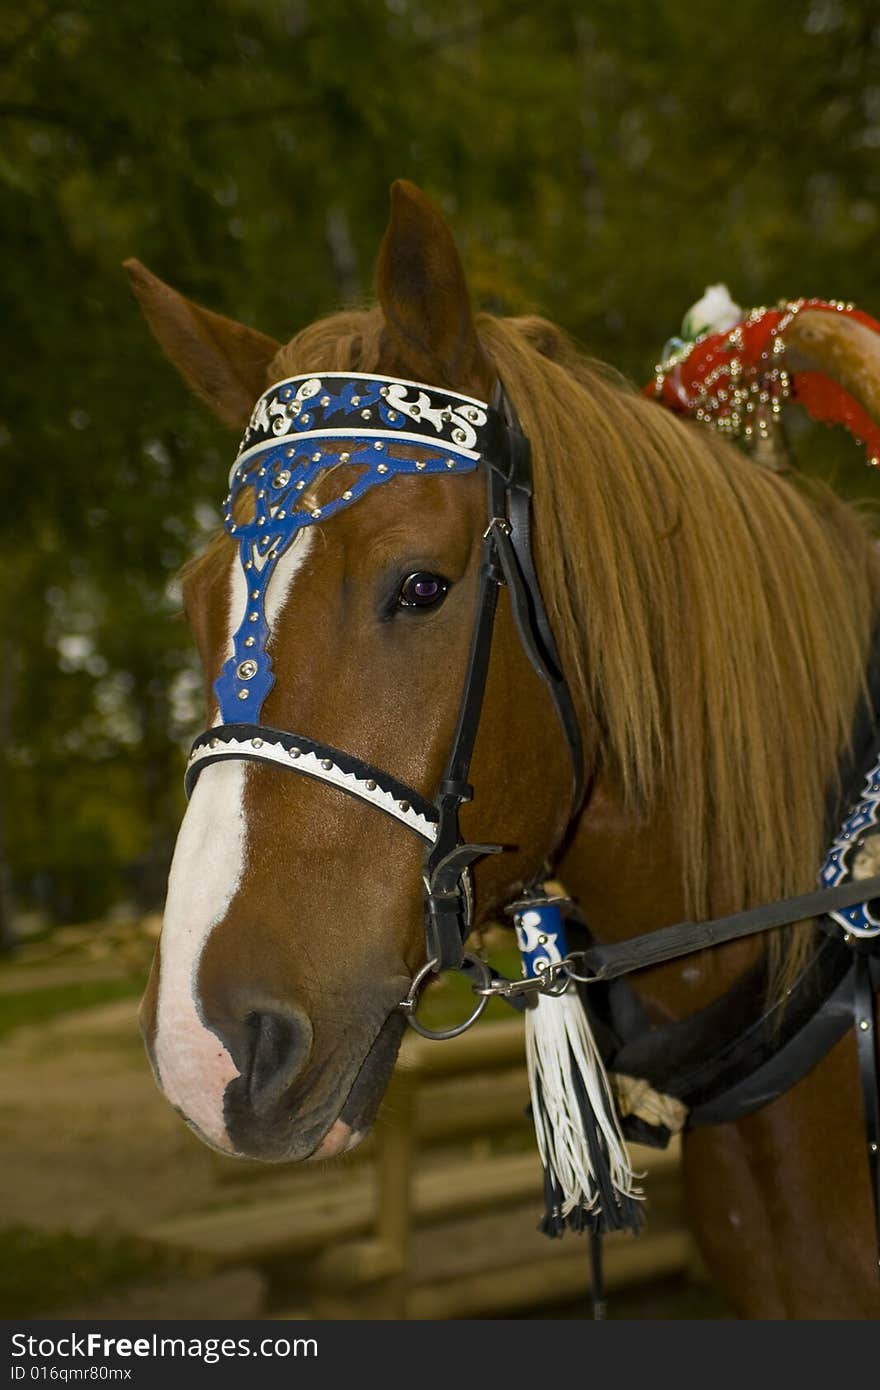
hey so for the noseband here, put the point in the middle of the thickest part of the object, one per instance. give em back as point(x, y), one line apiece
point(300, 429)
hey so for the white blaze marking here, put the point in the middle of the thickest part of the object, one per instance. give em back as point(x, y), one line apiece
point(193, 1064)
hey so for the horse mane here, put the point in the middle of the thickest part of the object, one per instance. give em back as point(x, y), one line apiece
point(714, 618)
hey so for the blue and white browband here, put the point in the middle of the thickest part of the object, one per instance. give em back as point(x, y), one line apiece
point(300, 428)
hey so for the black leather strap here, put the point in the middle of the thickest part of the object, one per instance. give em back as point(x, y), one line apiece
point(866, 1043)
point(446, 917)
point(682, 939)
point(506, 558)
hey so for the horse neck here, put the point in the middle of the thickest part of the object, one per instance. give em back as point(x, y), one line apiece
point(766, 1176)
point(625, 872)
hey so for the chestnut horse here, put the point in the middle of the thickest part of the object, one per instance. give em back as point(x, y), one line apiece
point(714, 621)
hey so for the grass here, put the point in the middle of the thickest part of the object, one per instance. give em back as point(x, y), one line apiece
point(42, 1271)
point(40, 1005)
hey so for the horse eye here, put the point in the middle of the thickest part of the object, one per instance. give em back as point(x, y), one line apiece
point(422, 590)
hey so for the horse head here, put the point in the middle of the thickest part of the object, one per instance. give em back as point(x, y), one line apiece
point(294, 917)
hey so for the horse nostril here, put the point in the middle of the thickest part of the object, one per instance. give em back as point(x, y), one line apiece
point(278, 1044)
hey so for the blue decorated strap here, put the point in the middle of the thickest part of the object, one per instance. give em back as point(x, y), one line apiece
point(301, 428)
point(839, 862)
point(540, 935)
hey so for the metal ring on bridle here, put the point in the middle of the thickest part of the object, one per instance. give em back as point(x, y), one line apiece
point(409, 1005)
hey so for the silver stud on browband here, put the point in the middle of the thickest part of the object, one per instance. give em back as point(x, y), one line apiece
point(403, 805)
point(214, 742)
point(294, 752)
point(370, 785)
point(326, 764)
point(256, 743)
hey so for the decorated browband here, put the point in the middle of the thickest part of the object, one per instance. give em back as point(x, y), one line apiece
point(300, 429)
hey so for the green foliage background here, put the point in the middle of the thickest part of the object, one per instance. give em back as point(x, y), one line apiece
point(601, 163)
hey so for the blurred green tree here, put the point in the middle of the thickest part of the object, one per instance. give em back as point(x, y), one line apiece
point(601, 161)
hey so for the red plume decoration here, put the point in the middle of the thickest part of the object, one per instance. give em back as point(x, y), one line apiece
point(736, 380)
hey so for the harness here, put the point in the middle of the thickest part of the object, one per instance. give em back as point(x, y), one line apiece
point(721, 1063)
point(299, 429)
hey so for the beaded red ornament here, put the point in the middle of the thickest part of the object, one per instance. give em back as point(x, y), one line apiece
point(736, 382)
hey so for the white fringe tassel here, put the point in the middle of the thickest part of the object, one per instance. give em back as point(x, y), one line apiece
point(560, 1051)
point(588, 1178)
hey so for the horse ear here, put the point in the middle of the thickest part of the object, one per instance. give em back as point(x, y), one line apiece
point(223, 362)
point(424, 296)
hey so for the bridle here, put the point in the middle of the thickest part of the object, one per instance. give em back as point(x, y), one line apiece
point(303, 426)
point(300, 428)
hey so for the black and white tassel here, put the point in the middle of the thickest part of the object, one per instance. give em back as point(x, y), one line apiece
point(589, 1183)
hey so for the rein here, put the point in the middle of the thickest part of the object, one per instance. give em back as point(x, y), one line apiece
point(611, 962)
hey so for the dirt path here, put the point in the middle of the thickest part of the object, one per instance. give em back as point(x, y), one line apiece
point(87, 1142)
